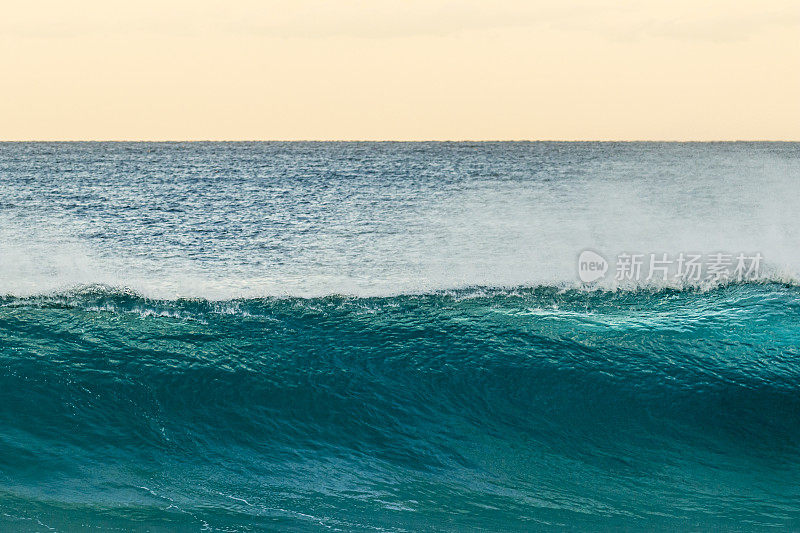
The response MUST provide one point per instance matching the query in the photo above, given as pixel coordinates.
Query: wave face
(392, 337)
(482, 408)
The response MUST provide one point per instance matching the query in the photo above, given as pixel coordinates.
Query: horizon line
(676, 141)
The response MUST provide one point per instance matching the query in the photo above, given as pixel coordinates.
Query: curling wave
(508, 409)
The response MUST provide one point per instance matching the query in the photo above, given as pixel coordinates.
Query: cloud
(621, 20)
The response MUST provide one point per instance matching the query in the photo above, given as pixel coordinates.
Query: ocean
(319, 336)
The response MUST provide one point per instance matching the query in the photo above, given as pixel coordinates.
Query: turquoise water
(314, 337)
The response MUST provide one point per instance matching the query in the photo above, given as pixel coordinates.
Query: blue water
(392, 337)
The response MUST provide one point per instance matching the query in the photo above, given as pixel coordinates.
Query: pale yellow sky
(408, 70)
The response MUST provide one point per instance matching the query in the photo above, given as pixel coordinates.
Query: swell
(523, 405)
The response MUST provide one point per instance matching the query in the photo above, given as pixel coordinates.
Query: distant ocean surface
(393, 337)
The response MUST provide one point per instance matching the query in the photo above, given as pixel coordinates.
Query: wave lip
(250, 288)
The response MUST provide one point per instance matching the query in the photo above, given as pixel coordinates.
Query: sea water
(394, 337)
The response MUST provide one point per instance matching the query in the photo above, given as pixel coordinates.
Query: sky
(400, 70)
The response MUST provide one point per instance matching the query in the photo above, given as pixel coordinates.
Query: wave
(522, 407)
